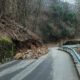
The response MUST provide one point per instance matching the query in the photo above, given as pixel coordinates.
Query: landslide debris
(33, 53)
(27, 44)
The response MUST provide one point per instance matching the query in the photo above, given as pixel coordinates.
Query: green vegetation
(6, 48)
(36, 14)
(64, 19)
(52, 20)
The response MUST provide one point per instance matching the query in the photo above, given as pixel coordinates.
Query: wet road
(56, 65)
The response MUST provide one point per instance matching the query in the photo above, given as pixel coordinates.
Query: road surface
(56, 65)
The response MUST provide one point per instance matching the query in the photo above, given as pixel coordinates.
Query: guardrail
(74, 54)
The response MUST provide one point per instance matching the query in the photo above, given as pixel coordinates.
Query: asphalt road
(56, 65)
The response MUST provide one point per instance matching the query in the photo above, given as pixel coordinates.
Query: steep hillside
(30, 23)
(44, 18)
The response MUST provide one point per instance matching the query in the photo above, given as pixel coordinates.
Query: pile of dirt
(30, 49)
(27, 43)
(33, 53)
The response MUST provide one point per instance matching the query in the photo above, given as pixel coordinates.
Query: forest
(25, 23)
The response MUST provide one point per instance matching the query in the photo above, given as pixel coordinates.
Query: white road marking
(29, 69)
(3, 65)
(16, 67)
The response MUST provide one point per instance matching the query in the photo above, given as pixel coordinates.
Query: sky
(69, 1)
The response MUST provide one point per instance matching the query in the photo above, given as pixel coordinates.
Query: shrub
(6, 48)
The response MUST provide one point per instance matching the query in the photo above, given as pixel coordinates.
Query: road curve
(57, 65)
